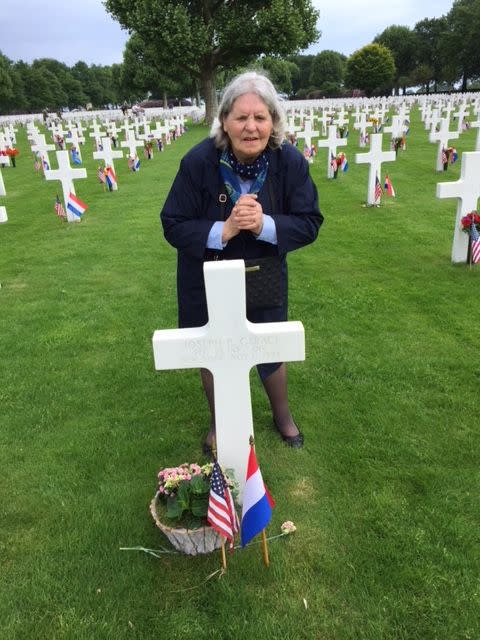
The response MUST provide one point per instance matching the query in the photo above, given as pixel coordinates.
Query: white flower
(288, 527)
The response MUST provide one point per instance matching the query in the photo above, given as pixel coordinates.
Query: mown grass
(385, 492)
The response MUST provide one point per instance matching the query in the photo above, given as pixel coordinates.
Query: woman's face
(249, 126)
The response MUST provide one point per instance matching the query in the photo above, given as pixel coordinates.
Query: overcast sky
(75, 30)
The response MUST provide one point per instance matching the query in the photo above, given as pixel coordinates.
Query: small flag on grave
(474, 243)
(221, 513)
(59, 210)
(75, 205)
(257, 501)
(333, 162)
(378, 189)
(75, 156)
(389, 187)
(134, 163)
(46, 166)
(101, 175)
(111, 178)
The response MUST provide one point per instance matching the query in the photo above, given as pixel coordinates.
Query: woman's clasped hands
(247, 215)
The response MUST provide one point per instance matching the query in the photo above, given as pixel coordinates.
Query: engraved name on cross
(229, 346)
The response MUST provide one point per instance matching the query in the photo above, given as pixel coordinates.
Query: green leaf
(183, 494)
(199, 486)
(174, 509)
(199, 506)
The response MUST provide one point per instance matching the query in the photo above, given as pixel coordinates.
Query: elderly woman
(271, 209)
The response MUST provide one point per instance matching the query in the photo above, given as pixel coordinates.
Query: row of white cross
(467, 189)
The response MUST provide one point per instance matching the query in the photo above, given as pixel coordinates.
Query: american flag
(474, 243)
(444, 157)
(333, 162)
(378, 189)
(101, 174)
(221, 512)
(59, 210)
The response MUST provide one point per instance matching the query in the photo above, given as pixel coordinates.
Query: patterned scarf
(231, 168)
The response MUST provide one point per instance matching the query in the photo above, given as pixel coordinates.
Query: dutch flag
(75, 205)
(257, 502)
(111, 178)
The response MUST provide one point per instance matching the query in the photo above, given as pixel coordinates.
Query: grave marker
(467, 192)
(442, 137)
(229, 346)
(332, 142)
(107, 154)
(66, 174)
(374, 158)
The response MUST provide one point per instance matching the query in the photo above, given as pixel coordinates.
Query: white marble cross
(107, 154)
(460, 114)
(66, 174)
(97, 133)
(42, 148)
(467, 191)
(442, 137)
(131, 143)
(229, 346)
(374, 158)
(396, 129)
(341, 118)
(3, 214)
(2, 184)
(307, 134)
(476, 125)
(432, 120)
(362, 125)
(332, 142)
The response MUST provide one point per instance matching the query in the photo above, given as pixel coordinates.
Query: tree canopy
(401, 41)
(210, 35)
(371, 68)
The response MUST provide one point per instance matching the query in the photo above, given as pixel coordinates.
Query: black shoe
(296, 442)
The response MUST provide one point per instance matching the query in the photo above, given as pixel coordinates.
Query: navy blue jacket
(193, 205)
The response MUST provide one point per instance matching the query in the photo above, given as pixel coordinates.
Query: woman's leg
(276, 388)
(207, 382)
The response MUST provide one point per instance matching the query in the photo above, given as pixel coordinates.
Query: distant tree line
(192, 54)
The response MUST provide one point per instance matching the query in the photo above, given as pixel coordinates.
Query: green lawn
(385, 494)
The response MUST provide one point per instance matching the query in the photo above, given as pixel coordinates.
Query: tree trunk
(464, 81)
(210, 94)
(165, 100)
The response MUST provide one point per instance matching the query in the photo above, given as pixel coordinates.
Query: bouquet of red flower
(468, 220)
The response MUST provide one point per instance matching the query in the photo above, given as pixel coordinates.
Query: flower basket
(188, 541)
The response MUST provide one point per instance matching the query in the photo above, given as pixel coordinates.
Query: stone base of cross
(3, 215)
(229, 346)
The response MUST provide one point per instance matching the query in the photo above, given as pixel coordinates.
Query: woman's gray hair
(250, 82)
